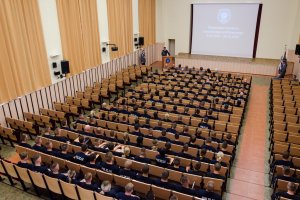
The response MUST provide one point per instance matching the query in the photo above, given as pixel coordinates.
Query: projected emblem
(168, 60)
(224, 15)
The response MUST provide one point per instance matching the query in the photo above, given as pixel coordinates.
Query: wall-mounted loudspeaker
(65, 69)
(141, 41)
(297, 51)
(114, 48)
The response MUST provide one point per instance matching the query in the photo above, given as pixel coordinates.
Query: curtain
(147, 21)
(120, 26)
(78, 22)
(24, 66)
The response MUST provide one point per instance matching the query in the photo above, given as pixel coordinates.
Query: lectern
(168, 61)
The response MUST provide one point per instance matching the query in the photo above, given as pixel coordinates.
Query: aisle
(249, 174)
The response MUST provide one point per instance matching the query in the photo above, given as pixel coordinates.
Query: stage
(230, 64)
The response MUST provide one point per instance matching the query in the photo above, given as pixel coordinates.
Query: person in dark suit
(165, 52)
(24, 161)
(54, 172)
(93, 161)
(24, 140)
(289, 194)
(64, 154)
(87, 183)
(164, 181)
(195, 169)
(142, 157)
(144, 177)
(49, 149)
(286, 176)
(185, 153)
(37, 164)
(176, 165)
(108, 165)
(209, 192)
(163, 136)
(128, 194)
(185, 186)
(127, 171)
(202, 156)
(216, 172)
(82, 156)
(208, 145)
(204, 124)
(38, 145)
(285, 161)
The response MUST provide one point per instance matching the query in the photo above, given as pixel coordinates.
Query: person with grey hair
(128, 194)
(209, 192)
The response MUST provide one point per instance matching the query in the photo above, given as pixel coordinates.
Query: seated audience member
(213, 136)
(155, 116)
(199, 134)
(136, 130)
(210, 115)
(289, 194)
(285, 161)
(153, 107)
(202, 106)
(196, 169)
(54, 172)
(238, 103)
(64, 154)
(112, 136)
(127, 171)
(172, 129)
(179, 120)
(287, 176)
(146, 115)
(209, 192)
(176, 165)
(167, 118)
(197, 113)
(59, 137)
(219, 159)
(107, 190)
(154, 146)
(65, 125)
(202, 156)
(226, 109)
(185, 153)
(82, 156)
(128, 194)
(163, 136)
(37, 164)
(164, 181)
(142, 157)
(24, 161)
(208, 145)
(193, 140)
(216, 172)
(50, 150)
(228, 139)
(24, 140)
(168, 146)
(48, 132)
(186, 131)
(159, 127)
(126, 152)
(177, 140)
(205, 99)
(108, 165)
(86, 183)
(81, 141)
(224, 148)
(147, 124)
(161, 159)
(185, 186)
(139, 141)
(93, 161)
(38, 145)
(204, 124)
(174, 110)
(81, 119)
(144, 177)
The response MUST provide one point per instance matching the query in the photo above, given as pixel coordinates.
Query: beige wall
(279, 25)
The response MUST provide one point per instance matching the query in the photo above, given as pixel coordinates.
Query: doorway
(172, 47)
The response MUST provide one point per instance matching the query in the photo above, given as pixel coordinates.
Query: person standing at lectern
(165, 52)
